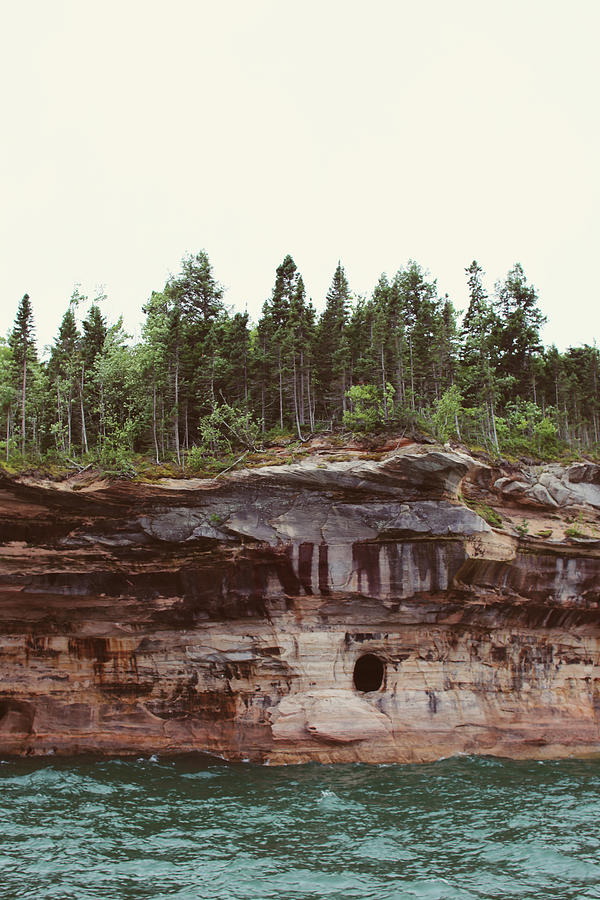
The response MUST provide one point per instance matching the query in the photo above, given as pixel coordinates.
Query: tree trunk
(102, 417)
(383, 384)
(280, 392)
(311, 409)
(296, 412)
(176, 410)
(84, 440)
(154, 435)
(301, 381)
(23, 401)
(69, 420)
(412, 375)
(494, 425)
(457, 426)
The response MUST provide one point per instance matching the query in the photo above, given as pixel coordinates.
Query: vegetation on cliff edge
(204, 386)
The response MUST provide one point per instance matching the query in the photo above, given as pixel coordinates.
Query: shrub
(368, 407)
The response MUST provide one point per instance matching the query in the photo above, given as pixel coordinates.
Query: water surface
(192, 829)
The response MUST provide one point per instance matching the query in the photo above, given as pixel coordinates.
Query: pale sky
(371, 132)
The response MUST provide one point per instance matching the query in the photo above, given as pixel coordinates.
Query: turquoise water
(196, 830)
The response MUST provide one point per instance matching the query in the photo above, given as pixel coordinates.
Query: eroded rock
(230, 617)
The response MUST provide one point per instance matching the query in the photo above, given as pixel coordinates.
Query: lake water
(193, 829)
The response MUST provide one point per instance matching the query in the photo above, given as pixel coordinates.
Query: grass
(486, 512)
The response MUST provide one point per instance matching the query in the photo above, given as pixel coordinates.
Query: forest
(205, 383)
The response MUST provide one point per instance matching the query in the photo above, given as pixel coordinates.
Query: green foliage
(446, 413)
(487, 513)
(216, 519)
(523, 528)
(370, 407)
(116, 451)
(203, 385)
(525, 429)
(573, 532)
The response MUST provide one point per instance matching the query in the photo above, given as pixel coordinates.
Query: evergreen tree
(332, 356)
(272, 329)
(422, 321)
(64, 370)
(517, 330)
(478, 379)
(22, 344)
(94, 332)
(7, 390)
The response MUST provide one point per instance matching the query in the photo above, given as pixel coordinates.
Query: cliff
(329, 611)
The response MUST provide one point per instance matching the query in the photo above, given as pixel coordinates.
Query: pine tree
(196, 306)
(94, 331)
(422, 318)
(517, 334)
(22, 344)
(272, 329)
(332, 356)
(64, 369)
(478, 379)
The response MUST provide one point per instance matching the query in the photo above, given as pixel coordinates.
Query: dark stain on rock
(285, 572)
(305, 558)
(92, 648)
(432, 702)
(323, 570)
(365, 562)
(38, 646)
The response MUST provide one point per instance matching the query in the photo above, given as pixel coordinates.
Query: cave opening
(368, 673)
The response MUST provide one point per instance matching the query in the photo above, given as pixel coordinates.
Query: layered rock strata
(321, 611)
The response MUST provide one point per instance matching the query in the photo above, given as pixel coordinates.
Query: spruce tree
(272, 334)
(94, 331)
(331, 349)
(517, 334)
(22, 344)
(477, 375)
(64, 369)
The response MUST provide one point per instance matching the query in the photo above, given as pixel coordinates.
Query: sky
(136, 132)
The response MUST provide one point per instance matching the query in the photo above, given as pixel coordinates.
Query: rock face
(329, 612)
(555, 485)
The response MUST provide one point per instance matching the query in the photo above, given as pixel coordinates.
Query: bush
(446, 412)
(368, 407)
(117, 448)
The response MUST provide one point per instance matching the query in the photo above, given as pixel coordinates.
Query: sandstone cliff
(329, 611)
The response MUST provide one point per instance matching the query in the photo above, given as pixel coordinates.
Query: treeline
(203, 381)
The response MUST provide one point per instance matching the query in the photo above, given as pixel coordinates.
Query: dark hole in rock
(368, 673)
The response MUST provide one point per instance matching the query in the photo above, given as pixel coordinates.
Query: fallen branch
(228, 469)
(79, 467)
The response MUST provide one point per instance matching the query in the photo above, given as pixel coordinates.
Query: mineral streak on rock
(322, 611)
